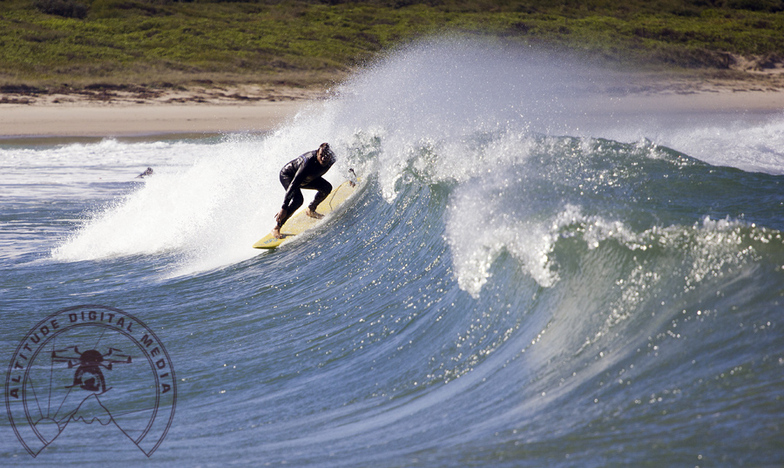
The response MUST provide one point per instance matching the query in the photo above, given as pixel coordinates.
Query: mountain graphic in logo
(90, 412)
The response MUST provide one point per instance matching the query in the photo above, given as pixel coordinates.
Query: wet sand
(91, 120)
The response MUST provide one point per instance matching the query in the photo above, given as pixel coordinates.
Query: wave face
(503, 290)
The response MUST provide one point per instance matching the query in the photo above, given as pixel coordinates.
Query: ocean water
(517, 282)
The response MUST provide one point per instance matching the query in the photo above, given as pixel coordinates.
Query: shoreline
(140, 113)
(141, 120)
(742, 102)
(206, 112)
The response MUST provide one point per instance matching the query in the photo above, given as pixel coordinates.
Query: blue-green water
(505, 289)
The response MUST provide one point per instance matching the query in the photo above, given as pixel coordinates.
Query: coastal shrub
(64, 8)
(306, 40)
(771, 6)
(126, 8)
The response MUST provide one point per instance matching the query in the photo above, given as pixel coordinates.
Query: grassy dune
(76, 44)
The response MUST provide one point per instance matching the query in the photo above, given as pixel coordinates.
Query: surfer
(304, 172)
(147, 172)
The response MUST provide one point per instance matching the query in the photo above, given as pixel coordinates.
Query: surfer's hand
(281, 216)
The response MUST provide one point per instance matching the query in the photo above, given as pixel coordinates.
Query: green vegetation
(46, 43)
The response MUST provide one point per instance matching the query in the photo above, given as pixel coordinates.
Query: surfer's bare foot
(276, 233)
(313, 214)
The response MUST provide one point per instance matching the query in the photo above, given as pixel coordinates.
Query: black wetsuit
(304, 172)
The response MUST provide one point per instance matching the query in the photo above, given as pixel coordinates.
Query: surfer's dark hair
(327, 153)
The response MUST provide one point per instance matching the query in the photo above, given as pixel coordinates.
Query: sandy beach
(90, 120)
(125, 114)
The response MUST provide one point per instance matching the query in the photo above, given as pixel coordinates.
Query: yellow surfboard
(300, 222)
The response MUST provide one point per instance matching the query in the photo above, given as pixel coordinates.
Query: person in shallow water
(304, 172)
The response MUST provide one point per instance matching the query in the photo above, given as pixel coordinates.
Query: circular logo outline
(75, 318)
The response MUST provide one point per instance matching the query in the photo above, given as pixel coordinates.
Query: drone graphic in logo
(89, 375)
(123, 380)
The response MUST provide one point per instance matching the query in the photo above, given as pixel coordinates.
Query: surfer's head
(325, 155)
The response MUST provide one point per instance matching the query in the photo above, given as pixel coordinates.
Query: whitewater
(522, 279)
